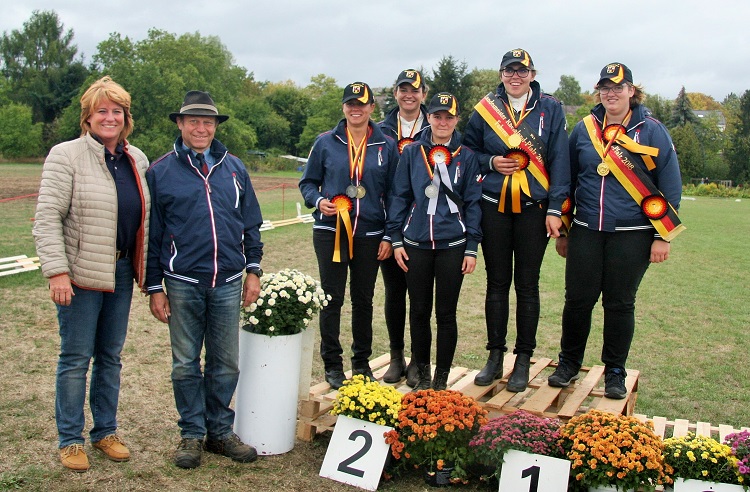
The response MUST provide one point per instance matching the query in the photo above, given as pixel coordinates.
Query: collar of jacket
(536, 92)
(377, 137)
(98, 148)
(217, 150)
(636, 119)
(426, 139)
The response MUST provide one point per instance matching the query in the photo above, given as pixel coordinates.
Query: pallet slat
(539, 397)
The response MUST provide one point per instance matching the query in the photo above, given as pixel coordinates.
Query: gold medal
(361, 192)
(515, 140)
(602, 169)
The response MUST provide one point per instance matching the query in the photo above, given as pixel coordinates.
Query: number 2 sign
(526, 472)
(356, 453)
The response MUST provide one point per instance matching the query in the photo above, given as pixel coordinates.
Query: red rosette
(403, 143)
(343, 203)
(655, 207)
(610, 132)
(439, 154)
(566, 206)
(520, 156)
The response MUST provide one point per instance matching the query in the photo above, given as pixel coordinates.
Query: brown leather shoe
(113, 448)
(73, 457)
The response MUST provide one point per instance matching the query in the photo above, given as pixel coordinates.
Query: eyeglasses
(617, 89)
(521, 72)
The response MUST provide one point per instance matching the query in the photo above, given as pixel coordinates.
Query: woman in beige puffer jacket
(91, 234)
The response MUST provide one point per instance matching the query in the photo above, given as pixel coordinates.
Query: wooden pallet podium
(539, 397)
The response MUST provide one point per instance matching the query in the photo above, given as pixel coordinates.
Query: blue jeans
(211, 315)
(93, 326)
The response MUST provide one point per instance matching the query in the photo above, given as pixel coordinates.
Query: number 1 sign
(356, 453)
(526, 472)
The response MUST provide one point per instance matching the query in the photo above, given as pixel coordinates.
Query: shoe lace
(72, 450)
(189, 444)
(615, 377)
(113, 438)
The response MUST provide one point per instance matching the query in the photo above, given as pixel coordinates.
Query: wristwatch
(256, 271)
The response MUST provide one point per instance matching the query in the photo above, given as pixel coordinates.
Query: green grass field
(690, 347)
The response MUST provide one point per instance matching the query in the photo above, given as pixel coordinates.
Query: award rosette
(610, 132)
(520, 156)
(343, 205)
(439, 154)
(567, 214)
(517, 182)
(403, 143)
(655, 207)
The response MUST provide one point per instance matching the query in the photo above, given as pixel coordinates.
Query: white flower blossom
(268, 312)
(272, 302)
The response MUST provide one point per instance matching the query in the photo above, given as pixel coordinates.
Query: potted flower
(739, 443)
(703, 458)
(521, 431)
(616, 451)
(287, 302)
(433, 432)
(368, 400)
(270, 358)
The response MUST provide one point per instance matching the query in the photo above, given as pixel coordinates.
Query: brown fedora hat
(198, 103)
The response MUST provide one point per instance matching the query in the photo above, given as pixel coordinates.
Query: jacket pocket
(172, 254)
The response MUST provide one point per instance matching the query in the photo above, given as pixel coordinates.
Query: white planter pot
(683, 485)
(266, 399)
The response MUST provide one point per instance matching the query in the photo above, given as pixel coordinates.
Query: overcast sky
(703, 45)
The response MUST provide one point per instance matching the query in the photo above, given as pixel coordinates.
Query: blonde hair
(105, 88)
(637, 98)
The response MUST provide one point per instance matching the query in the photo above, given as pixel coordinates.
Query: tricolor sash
(491, 109)
(622, 162)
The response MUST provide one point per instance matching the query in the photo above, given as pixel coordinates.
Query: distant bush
(716, 190)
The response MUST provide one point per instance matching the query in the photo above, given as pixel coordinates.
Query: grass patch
(690, 346)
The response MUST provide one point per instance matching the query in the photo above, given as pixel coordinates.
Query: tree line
(43, 78)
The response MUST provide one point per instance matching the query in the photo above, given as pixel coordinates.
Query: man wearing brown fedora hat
(202, 201)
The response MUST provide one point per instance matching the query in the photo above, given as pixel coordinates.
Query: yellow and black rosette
(439, 154)
(610, 132)
(403, 143)
(520, 156)
(655, 207)
(343, 205)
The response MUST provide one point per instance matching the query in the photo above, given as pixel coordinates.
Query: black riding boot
(424, 377)
(518, 381)
(397, 370)
(411, 373)
(440, 381)
(492, 370)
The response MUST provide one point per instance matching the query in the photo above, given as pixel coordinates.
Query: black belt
(125, 253)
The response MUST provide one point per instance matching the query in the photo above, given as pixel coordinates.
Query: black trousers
(611, 264)
(513, 246)
(394, 280)
(333, 276)
(434, 272)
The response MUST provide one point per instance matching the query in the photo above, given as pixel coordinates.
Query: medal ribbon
(634, 179)
(414, 127)
(505, 126)
(356, 157)
(343, 216)
(436, 178)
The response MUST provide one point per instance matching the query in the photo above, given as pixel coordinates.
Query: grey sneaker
(563, 376)
(188, 454)
(232, 447)
(614, 384)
